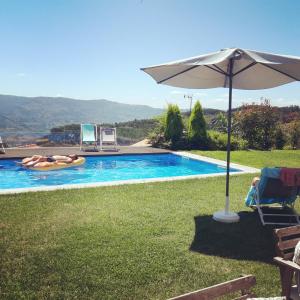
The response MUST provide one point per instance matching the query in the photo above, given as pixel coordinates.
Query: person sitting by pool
(46, 161)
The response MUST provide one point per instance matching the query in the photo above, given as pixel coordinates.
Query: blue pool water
(106, 168)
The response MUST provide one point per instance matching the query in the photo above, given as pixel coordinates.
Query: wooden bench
(286, 241)
(242, 285)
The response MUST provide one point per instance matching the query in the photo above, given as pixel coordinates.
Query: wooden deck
(27, 152)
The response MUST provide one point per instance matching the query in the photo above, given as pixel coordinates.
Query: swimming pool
(99, 170)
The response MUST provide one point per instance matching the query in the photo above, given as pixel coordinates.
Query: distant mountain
(41, 113)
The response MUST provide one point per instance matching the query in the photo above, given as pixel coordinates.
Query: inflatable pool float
(60, 165)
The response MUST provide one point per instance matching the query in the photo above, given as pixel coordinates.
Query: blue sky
(94, 49)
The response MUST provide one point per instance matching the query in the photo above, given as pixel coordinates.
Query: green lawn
(144, 241)
(258, 159)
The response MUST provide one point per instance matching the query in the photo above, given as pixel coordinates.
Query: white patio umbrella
(232, 68)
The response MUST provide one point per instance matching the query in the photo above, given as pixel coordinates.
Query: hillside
(42, 113)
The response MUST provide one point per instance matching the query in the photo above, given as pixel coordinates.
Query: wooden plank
(288, 256)
(286, 277)
(288, 244)
(243, 283)
(287, 239)
(283, 232)
(287, 263)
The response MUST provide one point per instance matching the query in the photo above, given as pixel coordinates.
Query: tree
(174, 124)
(220, 123)
(280, 139)
(257, 124)
(197, 133)
(268, 119)
(295, 134)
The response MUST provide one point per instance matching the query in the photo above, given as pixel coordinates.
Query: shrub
(197, 134)
(157, 135)
(218, 141)
(156, 138)
(174, 124)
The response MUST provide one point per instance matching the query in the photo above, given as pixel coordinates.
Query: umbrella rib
(216, 70)
(245, 68)
(191, 68)
(223, 72)
(290, 76)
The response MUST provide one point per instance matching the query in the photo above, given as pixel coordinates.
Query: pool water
(106, 169)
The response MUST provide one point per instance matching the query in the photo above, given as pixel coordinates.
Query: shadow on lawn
(245, 240)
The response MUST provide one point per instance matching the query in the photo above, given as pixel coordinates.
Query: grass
(258, 159)
(145, 241)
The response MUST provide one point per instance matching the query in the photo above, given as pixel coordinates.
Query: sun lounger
(2, 149)
(273, 199)
(108, 137)
(88, 136)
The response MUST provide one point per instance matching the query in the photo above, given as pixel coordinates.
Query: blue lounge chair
(88, 136)
(269, 191)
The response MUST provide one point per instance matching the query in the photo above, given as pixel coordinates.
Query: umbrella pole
(226, 216)
(228, 136)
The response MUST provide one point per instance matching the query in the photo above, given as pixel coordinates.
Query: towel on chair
(290, 176)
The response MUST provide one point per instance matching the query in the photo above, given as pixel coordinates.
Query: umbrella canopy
(251, 70)
(232, 68)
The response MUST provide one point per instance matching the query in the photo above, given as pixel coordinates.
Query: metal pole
(229, 135)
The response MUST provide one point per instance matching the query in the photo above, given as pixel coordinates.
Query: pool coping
(242, 170)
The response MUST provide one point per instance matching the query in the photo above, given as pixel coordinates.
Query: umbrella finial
(237, 54)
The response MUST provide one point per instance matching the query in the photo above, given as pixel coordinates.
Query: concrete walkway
(143, 143)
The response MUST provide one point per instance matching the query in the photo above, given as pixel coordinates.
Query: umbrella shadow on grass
(245, 240)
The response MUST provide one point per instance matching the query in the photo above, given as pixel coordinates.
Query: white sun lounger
(88, 136)
(108, 137)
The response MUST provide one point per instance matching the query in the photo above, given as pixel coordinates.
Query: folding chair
(88, 136)
(108, 137)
